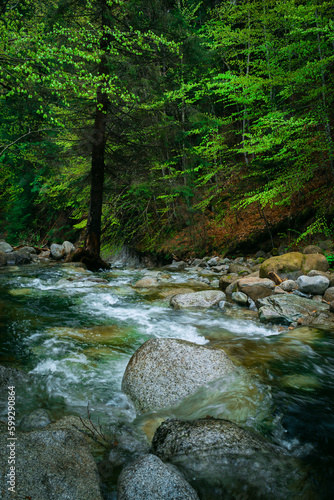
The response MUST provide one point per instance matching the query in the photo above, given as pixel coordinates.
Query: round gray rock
(148, 478)
(205, 298)
(289, 285)
(146, 282)
(315, 285)
(162, 372)
(57, 252)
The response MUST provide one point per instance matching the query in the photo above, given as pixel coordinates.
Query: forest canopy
(168, 125)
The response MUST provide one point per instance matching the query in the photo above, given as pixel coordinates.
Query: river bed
(75, 332)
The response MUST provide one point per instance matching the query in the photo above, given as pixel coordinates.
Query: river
(75, 332)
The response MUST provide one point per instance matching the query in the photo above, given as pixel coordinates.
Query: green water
(75, 337)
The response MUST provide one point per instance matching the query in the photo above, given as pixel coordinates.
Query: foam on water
(148, 320)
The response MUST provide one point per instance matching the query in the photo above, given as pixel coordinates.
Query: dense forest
(173, 126)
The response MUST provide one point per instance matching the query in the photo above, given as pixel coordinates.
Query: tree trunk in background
(93, 231)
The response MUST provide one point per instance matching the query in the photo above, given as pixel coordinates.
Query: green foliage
(202, 97)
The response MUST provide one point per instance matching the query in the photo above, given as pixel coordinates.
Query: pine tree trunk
(93, 231)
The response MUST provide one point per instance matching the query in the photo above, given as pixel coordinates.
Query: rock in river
(205, 298)
(148, 478)
(50, 465)
(286, 308)
(162, 372)
(222, 454)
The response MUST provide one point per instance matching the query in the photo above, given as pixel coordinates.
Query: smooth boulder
(162, 372)
(205, 298)
(315, 285)
(222, 454)
(148, 478)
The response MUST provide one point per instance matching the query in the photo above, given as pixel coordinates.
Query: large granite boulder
(50, 465)
(162, 372)
(222, 454)
(205, 298)
(292, 264)
(256, 288)
(315, 285)
(148, 478)
(286, 309)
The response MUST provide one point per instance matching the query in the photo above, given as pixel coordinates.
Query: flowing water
(75, 332)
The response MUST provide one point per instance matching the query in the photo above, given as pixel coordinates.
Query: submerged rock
(162, 372)
(205, 298)
(146, 282)
(222, 454)
(148, 478)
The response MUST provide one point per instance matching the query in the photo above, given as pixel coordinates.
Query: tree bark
(93, 231)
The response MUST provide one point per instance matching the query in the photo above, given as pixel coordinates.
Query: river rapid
(74, 331)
